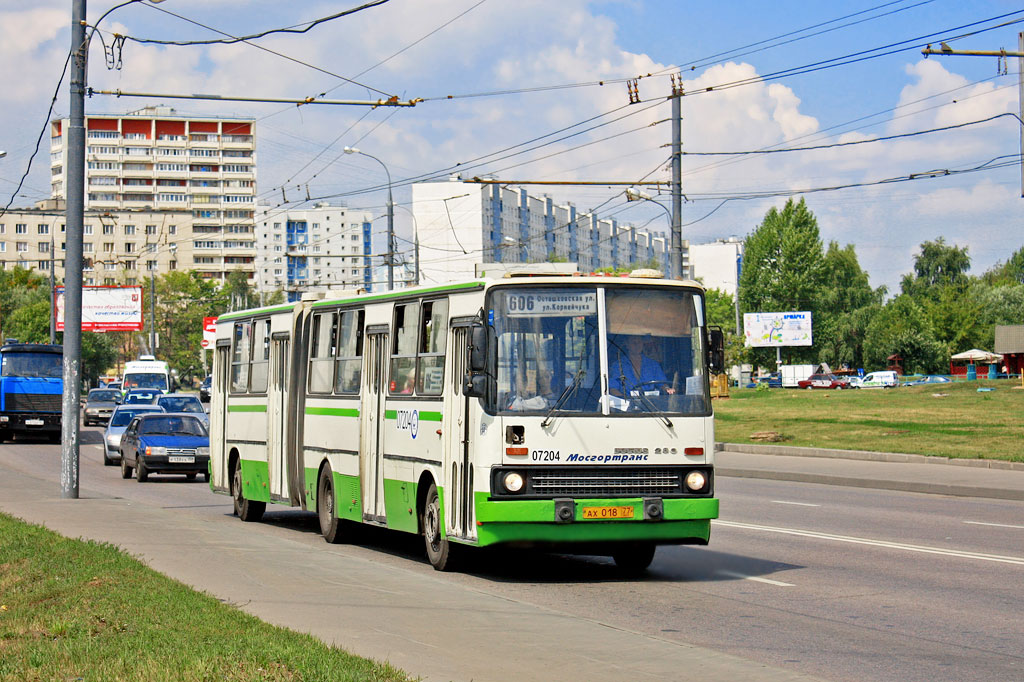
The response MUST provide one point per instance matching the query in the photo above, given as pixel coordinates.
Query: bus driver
(633, 370)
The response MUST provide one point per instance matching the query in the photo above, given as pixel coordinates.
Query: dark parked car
(822, 381)
(204, 389)
(173, 443)
(99, 405)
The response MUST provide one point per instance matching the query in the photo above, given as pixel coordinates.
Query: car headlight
(155, 450)
(91, 410)
(114, 440)
(203, 451)
(513, 481)
(696, 480)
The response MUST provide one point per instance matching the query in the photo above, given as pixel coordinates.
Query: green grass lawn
(947, 420)
(74, 610)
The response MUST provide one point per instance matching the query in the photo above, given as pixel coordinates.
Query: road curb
(876, 483)
(864, 455)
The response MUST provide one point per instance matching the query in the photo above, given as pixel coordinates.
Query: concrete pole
(1020, 103)
(676, 246)
(391, 236)
(75, 193)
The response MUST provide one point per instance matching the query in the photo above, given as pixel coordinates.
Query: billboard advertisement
(771, 330)
(106, 309)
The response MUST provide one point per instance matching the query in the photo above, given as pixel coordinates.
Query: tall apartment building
(464, 224)
(312, 249)
(154, 161)
(717, 264)
(119, 247)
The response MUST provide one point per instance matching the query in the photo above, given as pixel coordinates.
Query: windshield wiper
(566, 394)
(652, 409)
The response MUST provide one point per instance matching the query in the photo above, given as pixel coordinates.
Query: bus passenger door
(371, 450)
(458, 468)
(277, 418)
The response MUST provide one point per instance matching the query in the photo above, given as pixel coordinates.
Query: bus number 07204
(545, 456)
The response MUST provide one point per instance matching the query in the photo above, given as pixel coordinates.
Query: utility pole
(53, 298)
(676, 247)
(75, 193)
(946, 50)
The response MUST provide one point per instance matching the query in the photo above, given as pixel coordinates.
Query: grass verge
(946, 420)
(77, 610)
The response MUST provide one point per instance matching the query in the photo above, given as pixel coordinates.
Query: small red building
(1010, 344)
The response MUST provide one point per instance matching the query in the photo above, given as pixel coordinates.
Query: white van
(882, 379)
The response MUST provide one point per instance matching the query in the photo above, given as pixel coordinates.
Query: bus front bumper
(566, 521)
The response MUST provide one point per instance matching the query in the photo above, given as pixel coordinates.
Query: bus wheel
(634, 558)
(330, 524)
(247, 510)
(439, 550)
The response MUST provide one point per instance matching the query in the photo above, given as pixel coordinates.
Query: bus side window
(433, 332)
(260, 357)
(403, 350)
(350, 352)
(240, 357)
(321, 354)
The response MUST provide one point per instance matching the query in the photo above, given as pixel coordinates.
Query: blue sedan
(162, 443)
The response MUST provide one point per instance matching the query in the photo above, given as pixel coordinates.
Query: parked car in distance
(771, 380)
(880, 379)
(99, 404)
(140, 396)
(113, 384)
(165, 443)
(822, 381)
(204, 389)
(119, 421)
(928, 379)
(183, 402)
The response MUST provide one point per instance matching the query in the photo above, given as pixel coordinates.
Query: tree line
(939, 310)
(182, 300)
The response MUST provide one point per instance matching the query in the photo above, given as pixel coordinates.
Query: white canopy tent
(977, 355)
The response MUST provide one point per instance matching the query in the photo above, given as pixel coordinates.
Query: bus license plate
(607, 512)
(181, 459)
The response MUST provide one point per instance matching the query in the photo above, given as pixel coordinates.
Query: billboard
(771, 330)
(106, 309)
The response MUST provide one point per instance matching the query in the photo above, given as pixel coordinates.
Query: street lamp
(391, 218)
(633, 194)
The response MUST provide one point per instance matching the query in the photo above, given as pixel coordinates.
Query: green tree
(19, 288)
(901, 327)
(937, 264)
(183, 300)
(783, 269)
(1010, 272)
(845, 305)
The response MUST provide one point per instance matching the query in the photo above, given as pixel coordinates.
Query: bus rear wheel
(634, 558)
(247, 510)
(439, 549)
(330, 524)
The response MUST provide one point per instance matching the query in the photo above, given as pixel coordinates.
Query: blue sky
(432, 49)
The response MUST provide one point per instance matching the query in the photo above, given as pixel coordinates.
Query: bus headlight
(513, 481)
(696, 480)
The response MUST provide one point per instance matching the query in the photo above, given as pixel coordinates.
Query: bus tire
(141, 475)
(126, 471)
(439, 549)
(634, 558)
(330, 524)
(247, 510)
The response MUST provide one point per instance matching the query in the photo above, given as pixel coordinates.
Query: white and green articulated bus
(571, 413)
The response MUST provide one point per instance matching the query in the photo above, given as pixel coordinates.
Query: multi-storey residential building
(123, 247)
(462, 224)
(321, 248)
(154, 160)
(717, 264)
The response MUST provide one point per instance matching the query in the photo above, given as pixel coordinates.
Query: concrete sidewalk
(430, 625)
(886, 471)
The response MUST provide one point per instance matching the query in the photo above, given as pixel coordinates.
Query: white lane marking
(799, 504)
(997, 525)
(1019, 561)
(733, 574)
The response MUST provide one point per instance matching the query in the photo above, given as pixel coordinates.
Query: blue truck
(31, 390)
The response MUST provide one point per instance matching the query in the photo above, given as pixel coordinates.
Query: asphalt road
(832, 582)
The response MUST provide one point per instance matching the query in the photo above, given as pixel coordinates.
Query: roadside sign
(209, 331)
(204, 343)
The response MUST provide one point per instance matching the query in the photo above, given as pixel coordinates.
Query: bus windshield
(550, 350)
(31, 364)
(146, 380)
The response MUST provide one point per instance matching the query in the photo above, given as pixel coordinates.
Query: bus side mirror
(716, 350)
(478, 349)
(474, 385)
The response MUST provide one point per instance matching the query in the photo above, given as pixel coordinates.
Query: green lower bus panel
(348, 500)
(255, 480)
(400, 505)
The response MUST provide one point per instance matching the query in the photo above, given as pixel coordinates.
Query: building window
(44, 247)
(21, 247)
(129, 230)
(42, 228)
(87, 229)
(20, 228)
(150, 229)
(108, 229)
